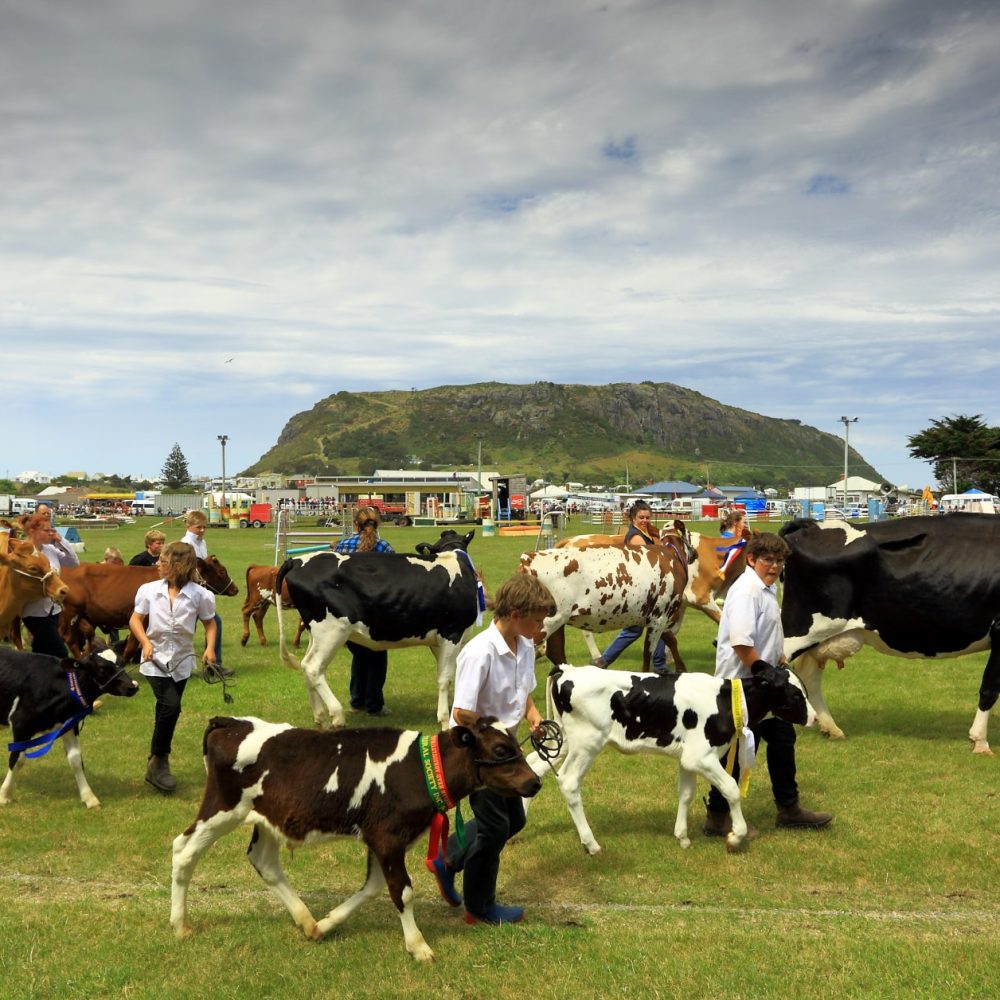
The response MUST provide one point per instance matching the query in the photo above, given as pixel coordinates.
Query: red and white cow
(710, 575)
(688, 717)
(260, 596)
(607, 587)
(382, 601)
(300, 786)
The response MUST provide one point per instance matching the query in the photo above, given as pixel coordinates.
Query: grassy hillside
(580, 432)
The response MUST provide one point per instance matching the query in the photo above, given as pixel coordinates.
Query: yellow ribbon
(736, 690)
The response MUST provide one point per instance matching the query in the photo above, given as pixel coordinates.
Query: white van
(682, 508)
(144, 506)
(23, 505)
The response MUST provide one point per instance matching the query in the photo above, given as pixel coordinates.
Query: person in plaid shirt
(368, 666)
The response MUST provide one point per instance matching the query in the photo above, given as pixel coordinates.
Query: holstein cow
(260, 596)
(687, 717)
(915, 587)
(382, 601)
(25, 575)
(298, 786)
(707, 581)
(607, 587)
(103, 595)
(44, 694)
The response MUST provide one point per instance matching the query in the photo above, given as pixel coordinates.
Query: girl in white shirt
(41, 616)
(166, 615)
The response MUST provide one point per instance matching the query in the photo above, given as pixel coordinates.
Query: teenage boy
(495, 676)
(750, 630)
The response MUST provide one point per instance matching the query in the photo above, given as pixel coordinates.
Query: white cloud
(373, 196)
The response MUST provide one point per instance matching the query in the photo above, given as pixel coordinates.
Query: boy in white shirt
(750, 630)
(495, 677)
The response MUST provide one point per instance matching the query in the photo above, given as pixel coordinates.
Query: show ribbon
(480, 593)
(743, 738)
(437, 789)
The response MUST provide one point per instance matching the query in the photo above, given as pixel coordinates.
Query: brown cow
(24, 576)
(260, 596)
(103, 595)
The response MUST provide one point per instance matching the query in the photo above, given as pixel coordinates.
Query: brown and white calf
(687, 716)
(260, 596)
(606, 587)
(25, 576)
(41, 694)
(298, 786)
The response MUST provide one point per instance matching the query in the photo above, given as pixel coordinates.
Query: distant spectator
(113, 557)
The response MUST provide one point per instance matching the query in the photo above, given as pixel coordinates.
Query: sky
(215, 215)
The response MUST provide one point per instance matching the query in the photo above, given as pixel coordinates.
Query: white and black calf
(685, 716)
(298, 786)
(382, 601)
(40, 694)
(912, 587)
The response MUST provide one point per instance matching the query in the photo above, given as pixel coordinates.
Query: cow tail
(286, 657)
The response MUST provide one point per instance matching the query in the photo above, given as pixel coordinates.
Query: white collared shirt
(751, 616)
(491, 680)
(199, 545)
(58, 556)
(171, 628)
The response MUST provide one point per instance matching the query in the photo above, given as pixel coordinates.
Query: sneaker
(600, 662)
(496, 914)
(445, 878)
(226, 671)
(384, 710)
(355, 708)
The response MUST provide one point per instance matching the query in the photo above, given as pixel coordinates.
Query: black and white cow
(685, 716)
(41, 694)
(915, 587)
(382, 601)
(299, 786)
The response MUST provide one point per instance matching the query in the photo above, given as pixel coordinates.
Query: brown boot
(158, 774)
(792, 815)
(720, 824)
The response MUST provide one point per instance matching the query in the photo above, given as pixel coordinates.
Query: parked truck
(15, 506)
(257, 515)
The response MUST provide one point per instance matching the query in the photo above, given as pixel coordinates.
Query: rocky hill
(558, 432)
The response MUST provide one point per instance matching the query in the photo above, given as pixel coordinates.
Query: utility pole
(846, 421)
(223, 438)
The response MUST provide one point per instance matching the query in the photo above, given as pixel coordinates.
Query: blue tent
(70, 534)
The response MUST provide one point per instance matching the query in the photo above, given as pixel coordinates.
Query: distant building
(32, 476)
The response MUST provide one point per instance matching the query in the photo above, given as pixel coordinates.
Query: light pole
(846, 421)
(223, 438)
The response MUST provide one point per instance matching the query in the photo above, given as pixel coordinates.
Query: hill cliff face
(579, 432)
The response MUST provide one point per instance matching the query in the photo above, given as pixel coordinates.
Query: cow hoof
(182, 931)
(313, 932)
(592, 849)
(834, 733)
(734, 846)
(423, 953)
(95, 804)
(684, 841)
(982, 748)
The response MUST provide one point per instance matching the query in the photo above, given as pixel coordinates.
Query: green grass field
(898, 898)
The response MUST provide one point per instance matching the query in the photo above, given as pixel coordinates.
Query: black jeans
(497, 819)
(168, 694)
(368, 670)
(780, 739)
(45, 637)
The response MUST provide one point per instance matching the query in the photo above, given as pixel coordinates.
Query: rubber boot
(793, 816)
(720, 824)
(158, 774)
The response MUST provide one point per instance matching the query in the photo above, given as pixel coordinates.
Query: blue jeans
(625, 638)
